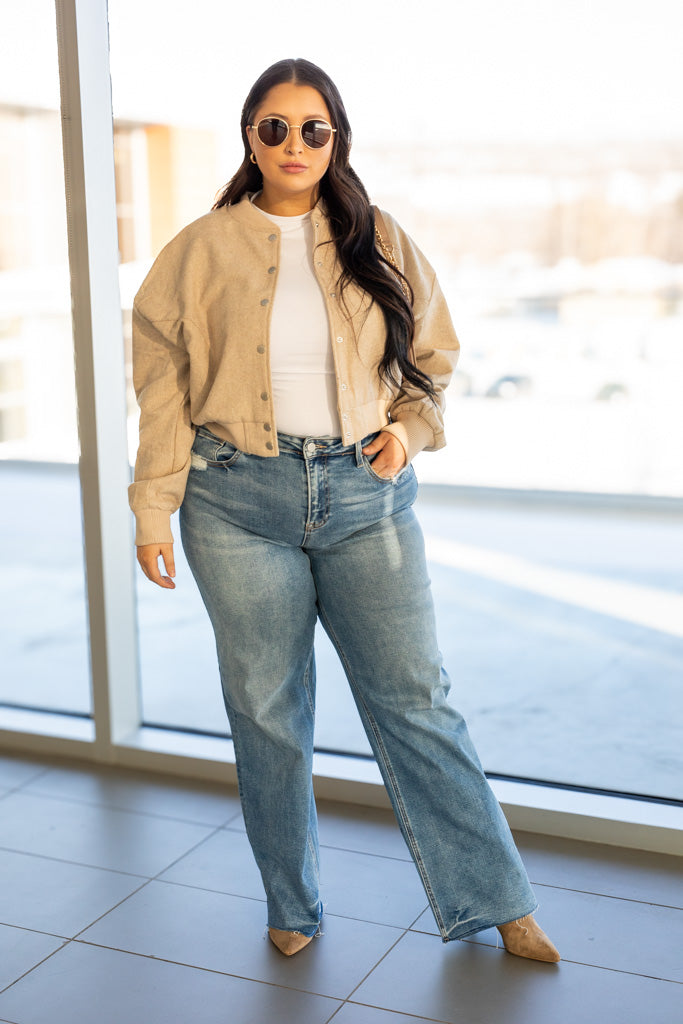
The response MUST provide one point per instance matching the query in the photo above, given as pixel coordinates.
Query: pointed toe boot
(288, 943)
(525, 938)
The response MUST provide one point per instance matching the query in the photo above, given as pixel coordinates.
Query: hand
(391, 457)
(148, 557)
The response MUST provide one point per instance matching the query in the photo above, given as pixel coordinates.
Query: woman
(287, 372)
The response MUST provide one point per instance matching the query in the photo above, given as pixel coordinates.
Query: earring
(252, 157)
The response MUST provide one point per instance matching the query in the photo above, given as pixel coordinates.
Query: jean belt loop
(359, 453)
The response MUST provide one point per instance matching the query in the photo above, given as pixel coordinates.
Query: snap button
(264, 302)
(271, 270)
(310, 448)
(261, 349)
(264, 396)
(272, 238)
(267, 426)
(269, 445)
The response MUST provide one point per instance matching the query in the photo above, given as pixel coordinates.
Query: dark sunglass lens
(315, 134)
(272, 131)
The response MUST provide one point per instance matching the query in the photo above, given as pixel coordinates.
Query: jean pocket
(210, 450)
(367, 465)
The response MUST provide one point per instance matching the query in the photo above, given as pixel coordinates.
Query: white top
(301, 362)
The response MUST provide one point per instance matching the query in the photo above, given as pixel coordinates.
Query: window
(550, 205)
(43, 624)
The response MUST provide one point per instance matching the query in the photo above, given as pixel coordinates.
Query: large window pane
(549, 202)
(43, 627)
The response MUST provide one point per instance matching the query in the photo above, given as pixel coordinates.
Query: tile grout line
(605, 895)
(148, 879)
(22, 785)
(577, 963)
(401, 1013)
(123, 810)
(376, 965)
(186, 853)
(215, 829)
(64, 944)
(206, 970)
(132, 874)
(367, 853)
(222, 892)
(411, 930)
(75, 938)
(349, 1002)
(256, 899)
(175, 963)
(76, 863)
(35, 931)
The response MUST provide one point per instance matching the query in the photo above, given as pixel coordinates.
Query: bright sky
(484, 70)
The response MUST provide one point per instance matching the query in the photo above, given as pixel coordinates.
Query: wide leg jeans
(274, 544)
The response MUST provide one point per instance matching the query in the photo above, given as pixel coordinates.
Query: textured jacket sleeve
(417, 420)
(161, 372)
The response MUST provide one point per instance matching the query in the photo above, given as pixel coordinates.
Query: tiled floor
(133, 899)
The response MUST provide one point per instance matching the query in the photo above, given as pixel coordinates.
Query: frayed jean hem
(465, 929)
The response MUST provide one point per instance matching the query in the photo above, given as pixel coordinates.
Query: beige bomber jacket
(201, 351)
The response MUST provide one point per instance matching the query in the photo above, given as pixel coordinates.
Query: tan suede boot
(288, 943)
(525, 938)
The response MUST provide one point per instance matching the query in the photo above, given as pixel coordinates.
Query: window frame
(115, 734)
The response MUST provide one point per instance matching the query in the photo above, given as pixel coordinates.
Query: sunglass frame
(310, 120)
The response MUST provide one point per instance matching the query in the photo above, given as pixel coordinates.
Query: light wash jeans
(275, 543)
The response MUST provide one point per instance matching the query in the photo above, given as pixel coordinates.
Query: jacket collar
(245, 212)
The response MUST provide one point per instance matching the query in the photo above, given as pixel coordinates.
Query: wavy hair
(351, 220)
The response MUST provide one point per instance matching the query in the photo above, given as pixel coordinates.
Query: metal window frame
(116, 734)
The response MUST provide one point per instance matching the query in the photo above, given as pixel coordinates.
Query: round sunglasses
(273, 131)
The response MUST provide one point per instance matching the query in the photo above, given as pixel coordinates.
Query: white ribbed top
(301, 363)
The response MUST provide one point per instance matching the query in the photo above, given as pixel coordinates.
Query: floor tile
(56, 896)
(223, 862)
(370, 888)
(363, 829)
(20, 950)
(16, 771)
(201, 803)
(355, 1013)
(101, 837)
(467, 983)
(606, 870)
(85, 984)
(426, 923)
(228, 933)
(609, 933)
(601, 931)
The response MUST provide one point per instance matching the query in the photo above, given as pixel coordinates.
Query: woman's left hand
(391, 458)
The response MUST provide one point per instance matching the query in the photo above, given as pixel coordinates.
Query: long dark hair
(351, 220)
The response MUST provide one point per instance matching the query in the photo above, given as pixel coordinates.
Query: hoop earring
(252, 157)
